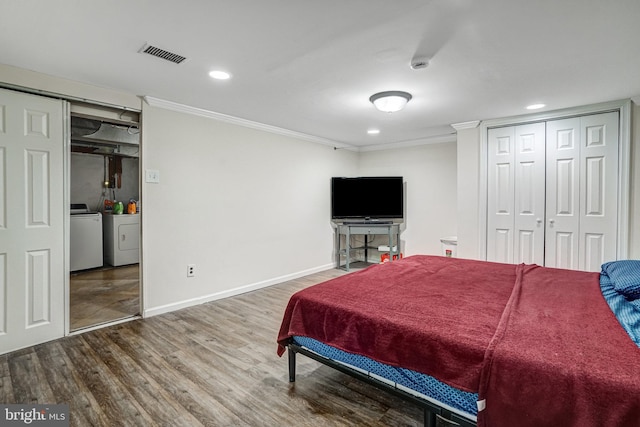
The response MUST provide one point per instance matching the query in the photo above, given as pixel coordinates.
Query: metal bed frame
(434, 415)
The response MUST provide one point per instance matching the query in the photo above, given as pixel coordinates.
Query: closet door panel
(594, 251)
(500, 208)
(526, 249)
(565, 249)
(562, 192)
(529, 194)
(502, 245)
(598, 190)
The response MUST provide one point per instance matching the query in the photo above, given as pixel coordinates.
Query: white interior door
(31, 220)
(582, 186)
(529, 194)
(500, 202)
(516, 180)
(563, 193)
(598, 190)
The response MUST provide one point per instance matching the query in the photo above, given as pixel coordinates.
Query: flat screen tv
(367, 198)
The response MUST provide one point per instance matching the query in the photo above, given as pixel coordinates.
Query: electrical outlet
(191, 270)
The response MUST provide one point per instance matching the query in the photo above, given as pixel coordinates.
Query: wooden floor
(210, 365)
(103, 295)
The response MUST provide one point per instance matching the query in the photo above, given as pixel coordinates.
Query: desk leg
(366, 249)
(337, 247)
(347, 246)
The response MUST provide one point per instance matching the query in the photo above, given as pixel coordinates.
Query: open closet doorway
(104, 223)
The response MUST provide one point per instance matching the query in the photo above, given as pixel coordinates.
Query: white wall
(87, 176)
(468, 191)
(429, 173)
(248, 207)
(66, 88)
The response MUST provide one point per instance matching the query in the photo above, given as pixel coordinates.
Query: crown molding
(436, 139)
(466, 125)
(181, 108)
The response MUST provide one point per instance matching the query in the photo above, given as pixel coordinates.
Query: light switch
(152, 175)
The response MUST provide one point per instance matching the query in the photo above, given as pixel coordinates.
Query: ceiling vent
(163, 54)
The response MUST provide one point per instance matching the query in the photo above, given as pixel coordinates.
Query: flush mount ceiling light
(390, 101)
(373, 131)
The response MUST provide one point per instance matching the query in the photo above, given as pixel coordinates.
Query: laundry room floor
(103, 295)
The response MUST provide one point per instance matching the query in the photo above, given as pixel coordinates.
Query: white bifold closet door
(582, 191)
(552, 192)
(516, 194)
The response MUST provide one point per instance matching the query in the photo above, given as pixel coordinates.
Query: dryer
(121, 239)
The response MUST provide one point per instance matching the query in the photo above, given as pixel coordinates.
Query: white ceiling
(311, 66)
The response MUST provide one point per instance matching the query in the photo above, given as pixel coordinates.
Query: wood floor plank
(228, 387)
(214, 364)
(28, 378)
(6, 386)
(68, 387)
(115, 401)
(193, 398)
(160, 405)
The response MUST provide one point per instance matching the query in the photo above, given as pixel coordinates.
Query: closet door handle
(539, 220)
(551, 222)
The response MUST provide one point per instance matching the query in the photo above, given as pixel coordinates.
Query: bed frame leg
(292, 364)
(429, 418)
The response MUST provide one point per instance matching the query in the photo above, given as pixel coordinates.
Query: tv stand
(367, 222)
(366, 229)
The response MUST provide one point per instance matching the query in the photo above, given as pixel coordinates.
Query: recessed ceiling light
(219, 75)
(373, 131)
(535, 106)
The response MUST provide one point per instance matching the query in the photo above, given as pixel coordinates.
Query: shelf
(364, 230)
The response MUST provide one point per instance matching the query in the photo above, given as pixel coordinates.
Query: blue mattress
(461, 402)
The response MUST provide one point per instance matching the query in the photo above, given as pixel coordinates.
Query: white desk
(366, 230)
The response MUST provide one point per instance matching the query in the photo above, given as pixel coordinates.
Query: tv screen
(371, 197)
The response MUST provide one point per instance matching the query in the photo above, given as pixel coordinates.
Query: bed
(516, 344)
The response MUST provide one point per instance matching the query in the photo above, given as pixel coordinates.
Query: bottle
(131, 207)
(118, 208)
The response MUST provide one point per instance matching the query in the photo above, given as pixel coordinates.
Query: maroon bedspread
(560, 357)
(390, 313)
(539, 345)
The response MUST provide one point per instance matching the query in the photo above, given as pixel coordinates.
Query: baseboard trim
(167, 308)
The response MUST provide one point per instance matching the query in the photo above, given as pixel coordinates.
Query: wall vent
(163, 54)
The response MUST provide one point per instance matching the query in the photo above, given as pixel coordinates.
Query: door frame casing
(67, 99)
(67, 196)
(623, 107)
(66, 164)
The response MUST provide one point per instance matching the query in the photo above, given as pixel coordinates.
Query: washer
(121, 239)
(85, 238)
